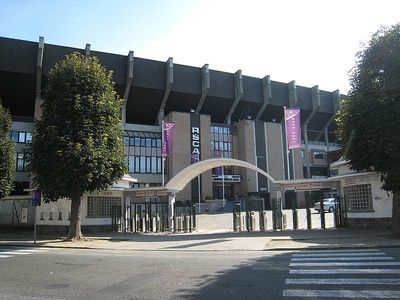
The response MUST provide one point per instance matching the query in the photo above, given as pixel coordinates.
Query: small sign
(36, 198)
(24, 215)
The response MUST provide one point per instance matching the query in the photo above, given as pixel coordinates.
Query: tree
(369, 129)
(7, 154)
(77, 145)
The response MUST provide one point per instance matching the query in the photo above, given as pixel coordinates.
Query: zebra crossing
(7, 252)
(358, 273)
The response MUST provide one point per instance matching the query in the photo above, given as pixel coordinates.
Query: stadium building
(215, 115)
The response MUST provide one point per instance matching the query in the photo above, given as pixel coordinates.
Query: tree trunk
(75, 233)
(396, 215)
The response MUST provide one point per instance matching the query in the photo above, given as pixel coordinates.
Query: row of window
(221, 146)
(144, 164)
(21, 137)
(221, 129)
(142, 142)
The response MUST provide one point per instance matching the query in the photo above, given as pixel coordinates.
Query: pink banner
(293, 128)
(168, 136)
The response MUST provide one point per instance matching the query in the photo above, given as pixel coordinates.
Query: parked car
(330, 204)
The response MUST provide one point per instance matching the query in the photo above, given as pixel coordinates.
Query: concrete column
(169, 81)
(292, 93)
(336, 107)
(171, 203)
(129, 77)
(39, 68)
(127, 215)
(267, 96)
(205, 86)
(316, 103)
(238, 94)
(87, 50)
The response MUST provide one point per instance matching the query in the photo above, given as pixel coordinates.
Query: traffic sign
(36, 198)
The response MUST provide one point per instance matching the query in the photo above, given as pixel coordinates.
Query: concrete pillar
(205, 86)
(171, 203)
(292, 93)
(169, 81)
(238, 94)
(129, 77)
(267, 96)
(316, 103)
(127, 216)
(39, 68)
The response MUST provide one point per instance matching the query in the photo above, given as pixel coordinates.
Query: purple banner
(194, 158)
(168, 136)
(218, 170)
(293, 128)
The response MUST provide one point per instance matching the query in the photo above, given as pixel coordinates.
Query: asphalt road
(83, 274)
(54, 273)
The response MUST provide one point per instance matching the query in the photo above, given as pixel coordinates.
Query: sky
(313, 42)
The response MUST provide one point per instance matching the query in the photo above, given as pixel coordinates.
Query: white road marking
(337, 251)
(342, 258)
(339, 254)
(346, 264)
(342, 294)
(344, 271)
(334, 281)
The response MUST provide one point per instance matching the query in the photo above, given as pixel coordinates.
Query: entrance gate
(184, 216)
(251, 206)
(148, 217)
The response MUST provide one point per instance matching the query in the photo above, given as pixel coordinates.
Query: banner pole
(163, 158)
(286, 143)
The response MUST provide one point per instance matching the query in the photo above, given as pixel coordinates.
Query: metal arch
(180, 180)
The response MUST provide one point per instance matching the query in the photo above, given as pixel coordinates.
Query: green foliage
(369, 130)
(78, 142)
(7, 152)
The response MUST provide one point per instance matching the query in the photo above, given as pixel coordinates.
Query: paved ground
(214, 237)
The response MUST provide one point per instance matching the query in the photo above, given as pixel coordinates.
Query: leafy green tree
(369, 128)
(77, 146)
(7, 154)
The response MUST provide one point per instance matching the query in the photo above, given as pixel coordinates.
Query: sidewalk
(209, 240)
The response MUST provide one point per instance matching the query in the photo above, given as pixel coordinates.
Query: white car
(330, 204)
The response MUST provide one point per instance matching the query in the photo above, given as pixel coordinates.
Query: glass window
(159, 165)
(148, 164)
(153, 164)
(14, 136)
(29, 136)
(319, 154)
(20, 157)
(142, 164)
(359, 198)
(131, 164)
(137, 164)
(21, 137)
(101, 206)
(148, 142)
